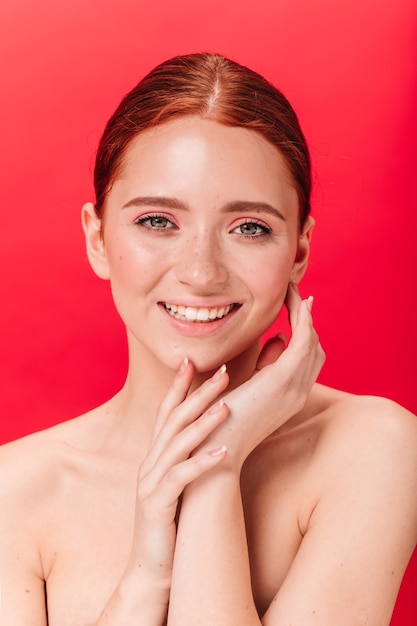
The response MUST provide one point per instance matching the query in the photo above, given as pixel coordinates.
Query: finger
(180, 447)
(185, 446)
(161, 502)
(303, 352)
(188, 411)
(186, 472)
(292, 302)
(304, 347)
(176, 394)
(271, 351)
(304, 327)
(195, 404)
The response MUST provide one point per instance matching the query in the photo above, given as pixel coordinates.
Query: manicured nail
(183, 367)
(217, 376)
(218, 451)
(310, 302)
(216, 407)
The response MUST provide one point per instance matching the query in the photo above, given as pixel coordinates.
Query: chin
(236, 361)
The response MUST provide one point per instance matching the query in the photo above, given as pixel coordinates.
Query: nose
(201, 261)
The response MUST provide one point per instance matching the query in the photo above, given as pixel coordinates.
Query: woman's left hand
(277, 390)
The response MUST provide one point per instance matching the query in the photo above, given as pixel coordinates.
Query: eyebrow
(244, 206)
(168, 203)
(238, 206)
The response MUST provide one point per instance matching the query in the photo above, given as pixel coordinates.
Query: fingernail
(218, 451)
(217, 376)
(294, 285)
(282, 337)
(310, 302)
(183, 367)
(216, 407)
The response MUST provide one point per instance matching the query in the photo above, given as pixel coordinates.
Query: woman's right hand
(182, 424)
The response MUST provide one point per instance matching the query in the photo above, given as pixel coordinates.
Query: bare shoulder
(366, 459)
(339, 428)
(352, 449)
(367, 437)
(34, 466)
(368, 424)
(356, 501)
(40, 475)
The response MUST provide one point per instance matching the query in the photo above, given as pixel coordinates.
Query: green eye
(252, 229)
(155, 222)
(158, 222)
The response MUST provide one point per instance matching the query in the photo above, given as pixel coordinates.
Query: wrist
(220, 480)
(136, 600)
(231, 464)
(139, 587)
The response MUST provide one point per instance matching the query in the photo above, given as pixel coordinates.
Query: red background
(349, 70)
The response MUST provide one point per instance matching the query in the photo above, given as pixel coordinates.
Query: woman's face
(200, 240)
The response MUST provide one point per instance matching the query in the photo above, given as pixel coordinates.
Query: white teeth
(202, 315)
(193, 314)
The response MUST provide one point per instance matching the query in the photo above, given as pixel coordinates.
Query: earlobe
(303, 250)
(96, 252)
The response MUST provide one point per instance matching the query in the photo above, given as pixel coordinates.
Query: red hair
(212, 87)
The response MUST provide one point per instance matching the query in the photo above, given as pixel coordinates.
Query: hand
(182, 424)
(278, 388)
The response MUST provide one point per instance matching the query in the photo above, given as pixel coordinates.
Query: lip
(198, 327)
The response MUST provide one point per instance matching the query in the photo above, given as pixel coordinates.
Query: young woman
(222, 484)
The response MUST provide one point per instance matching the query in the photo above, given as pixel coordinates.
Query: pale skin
(298, 502)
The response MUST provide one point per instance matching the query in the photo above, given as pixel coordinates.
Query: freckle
(392, 573)
(27, 590)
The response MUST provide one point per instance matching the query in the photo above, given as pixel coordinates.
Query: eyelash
(265, 229)
(142, 221)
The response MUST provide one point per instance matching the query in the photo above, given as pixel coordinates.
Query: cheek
(269, 276)
(133, 264)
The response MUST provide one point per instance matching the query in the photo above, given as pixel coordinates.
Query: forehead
(191, 154)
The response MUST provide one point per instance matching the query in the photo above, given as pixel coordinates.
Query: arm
(182, 425)
(354, 551)
(211, 581)
(26, 503)
(363, 529)
(22, 594)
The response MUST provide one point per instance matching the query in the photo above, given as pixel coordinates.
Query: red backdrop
(349, 69)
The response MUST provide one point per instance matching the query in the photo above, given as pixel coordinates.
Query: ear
(303, 251)
(96, 253)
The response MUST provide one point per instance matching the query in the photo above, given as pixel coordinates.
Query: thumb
(271, 351)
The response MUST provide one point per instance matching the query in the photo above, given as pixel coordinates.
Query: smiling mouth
(198, 314)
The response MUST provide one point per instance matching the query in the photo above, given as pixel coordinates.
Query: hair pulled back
(214, 88)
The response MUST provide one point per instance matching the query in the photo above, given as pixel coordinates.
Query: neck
(148, 381)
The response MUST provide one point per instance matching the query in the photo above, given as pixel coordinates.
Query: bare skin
(71, 504)
(297, 501)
